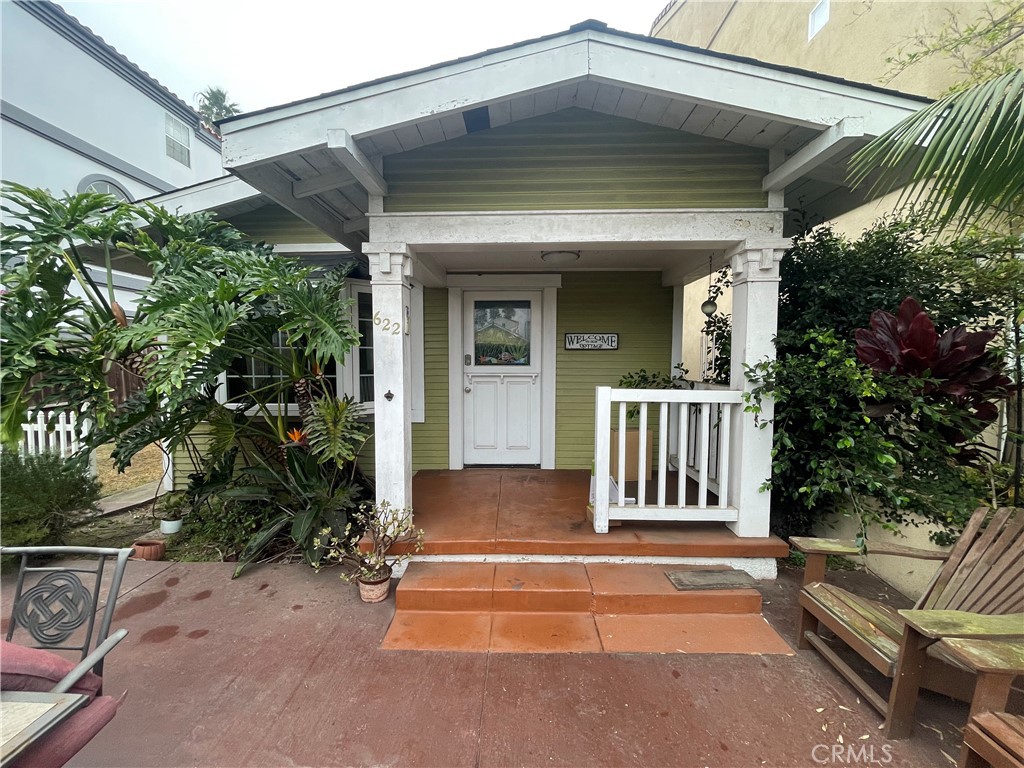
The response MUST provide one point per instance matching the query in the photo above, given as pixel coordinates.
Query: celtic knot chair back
(55, 600)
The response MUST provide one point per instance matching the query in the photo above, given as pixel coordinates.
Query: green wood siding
(183, 466)
(367, 458)
(632, 304)
(274, 224)
(430, 439)
(575, 159)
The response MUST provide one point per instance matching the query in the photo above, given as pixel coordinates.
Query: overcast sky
(266, 53)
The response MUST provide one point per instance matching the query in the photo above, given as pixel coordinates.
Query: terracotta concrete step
(578, 632)
(600, 588)
(645, 589)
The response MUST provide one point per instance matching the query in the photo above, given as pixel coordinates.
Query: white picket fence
(697, 422)
(62, 438)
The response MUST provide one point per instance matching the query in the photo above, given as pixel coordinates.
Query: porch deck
(544, 512)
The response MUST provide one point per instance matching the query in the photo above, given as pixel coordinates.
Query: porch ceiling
(323, 158)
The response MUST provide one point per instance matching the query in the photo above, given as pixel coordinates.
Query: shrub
(38, 494)
(845, 435)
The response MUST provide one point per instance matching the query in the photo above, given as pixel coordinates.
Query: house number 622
(387, 324)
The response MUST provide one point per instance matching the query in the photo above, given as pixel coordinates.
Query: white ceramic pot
(170, 526)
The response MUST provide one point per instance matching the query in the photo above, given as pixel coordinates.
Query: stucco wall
(854, 44)
(908, 575)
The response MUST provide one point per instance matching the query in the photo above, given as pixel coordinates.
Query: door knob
(468, 390)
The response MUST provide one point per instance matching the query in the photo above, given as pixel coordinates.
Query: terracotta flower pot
(374, 591)
(149, 549)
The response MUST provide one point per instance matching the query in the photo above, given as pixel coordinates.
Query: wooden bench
(977, 593)
(991, 738)
(994, 739)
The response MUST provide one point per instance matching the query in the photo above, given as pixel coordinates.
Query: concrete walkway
(284, 667)
(123, 501)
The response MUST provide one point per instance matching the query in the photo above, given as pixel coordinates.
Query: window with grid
(177, 138)
(248, 374)
(364, 354)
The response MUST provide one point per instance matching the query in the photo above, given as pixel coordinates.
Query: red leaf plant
(956, 366)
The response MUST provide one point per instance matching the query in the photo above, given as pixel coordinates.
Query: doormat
(689, 580)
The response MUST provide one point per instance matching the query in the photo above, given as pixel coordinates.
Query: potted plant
(364, 551)
(171, 513)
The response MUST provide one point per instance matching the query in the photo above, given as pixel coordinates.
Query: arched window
(103, 185)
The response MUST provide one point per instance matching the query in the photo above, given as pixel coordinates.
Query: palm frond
(963, 156)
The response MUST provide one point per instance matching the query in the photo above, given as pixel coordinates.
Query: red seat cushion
(33, 669)
(64, 741)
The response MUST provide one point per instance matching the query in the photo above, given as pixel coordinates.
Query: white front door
(502, 377)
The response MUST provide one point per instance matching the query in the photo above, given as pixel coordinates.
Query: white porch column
(755, 315)
(390, 269)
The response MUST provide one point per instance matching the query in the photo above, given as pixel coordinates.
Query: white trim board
(648, 66)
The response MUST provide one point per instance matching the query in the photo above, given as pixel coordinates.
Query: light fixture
(709, 307)
(559, 258)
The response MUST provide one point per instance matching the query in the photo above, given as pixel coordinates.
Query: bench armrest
(991, 656)
(812, 546)
(902, 550)
(940, 625)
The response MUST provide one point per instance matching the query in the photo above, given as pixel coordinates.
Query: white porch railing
(61, 439)
(697, 421)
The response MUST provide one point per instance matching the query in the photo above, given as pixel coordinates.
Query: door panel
(502, 373)
(485, 408)
(519, 402)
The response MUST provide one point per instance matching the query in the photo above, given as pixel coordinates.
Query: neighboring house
(77, 115)
(846, 38)
(573, 184)
(851, 39)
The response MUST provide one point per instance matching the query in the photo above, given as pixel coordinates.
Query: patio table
(27, 716)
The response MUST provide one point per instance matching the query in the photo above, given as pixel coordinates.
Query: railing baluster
(684, 442)
(705, 449)
(663, 429)
(641, 470)
(602, 449)
(723, 457)
(622, 454)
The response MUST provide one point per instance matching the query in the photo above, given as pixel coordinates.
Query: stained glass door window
(501, 332)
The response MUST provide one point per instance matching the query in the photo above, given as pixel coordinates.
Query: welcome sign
(591, 341)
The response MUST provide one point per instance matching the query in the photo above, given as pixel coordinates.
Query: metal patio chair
(53, 608)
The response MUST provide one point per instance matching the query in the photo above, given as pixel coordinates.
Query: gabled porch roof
(322, 158)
